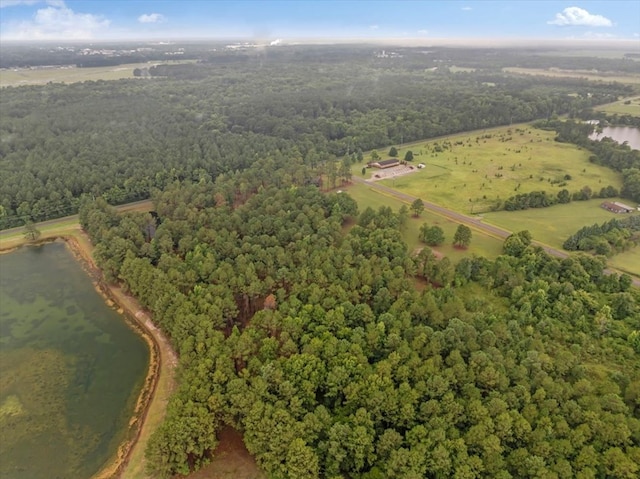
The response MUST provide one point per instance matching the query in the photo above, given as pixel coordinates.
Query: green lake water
(70, 368)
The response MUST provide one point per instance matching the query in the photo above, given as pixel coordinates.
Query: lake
(71, 369)
(620, 134)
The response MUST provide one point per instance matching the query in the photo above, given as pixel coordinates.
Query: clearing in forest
(474, 173)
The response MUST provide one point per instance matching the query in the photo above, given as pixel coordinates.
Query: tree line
(121, 139)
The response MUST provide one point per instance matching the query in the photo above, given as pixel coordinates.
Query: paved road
(476, 223)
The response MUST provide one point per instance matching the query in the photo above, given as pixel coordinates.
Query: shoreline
(162, 358)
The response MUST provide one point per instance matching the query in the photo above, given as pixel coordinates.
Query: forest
(307, 324)
(338, 353)
(121, 139)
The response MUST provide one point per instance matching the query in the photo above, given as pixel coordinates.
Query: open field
(469, 173)
(622, 108)
(71, 74)
(552, 226)
(481, 244)
(629, 78)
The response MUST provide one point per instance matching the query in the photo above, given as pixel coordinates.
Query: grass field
(71, 74)
(481, 244)
(629, 78)
(622, 107)
(554, 225)
(471, 172)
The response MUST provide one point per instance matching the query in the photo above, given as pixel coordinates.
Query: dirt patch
(231, 460)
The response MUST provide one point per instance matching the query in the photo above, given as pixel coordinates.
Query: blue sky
(322, 19)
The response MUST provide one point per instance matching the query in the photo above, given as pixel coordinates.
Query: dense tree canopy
(313, 341)
(121, 139)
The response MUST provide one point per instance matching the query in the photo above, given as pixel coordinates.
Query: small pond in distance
(620, 134)
(71, 369)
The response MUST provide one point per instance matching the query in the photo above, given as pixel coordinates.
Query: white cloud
(152, 18)
(423, 32)
(56, 22)
(276, 42)
(466, 9)
(579, 16)
(373, 27)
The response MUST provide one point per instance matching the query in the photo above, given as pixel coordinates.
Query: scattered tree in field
(31, 233)
(393, 152)
(403, 214)
(408, 156)
(364, 170)
(431, 235)
(462, 238)
(516, 243)
(417, 207)
(374, 156)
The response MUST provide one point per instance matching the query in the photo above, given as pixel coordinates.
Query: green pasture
(627, 262)
(553, 225)
(71, 74)
(471, 172)
(622, 107)
(481, 244)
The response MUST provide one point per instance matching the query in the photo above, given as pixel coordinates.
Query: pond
(71, 369)
(620, 134)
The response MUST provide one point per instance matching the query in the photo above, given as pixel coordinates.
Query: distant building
(616, 207)
(386, 163)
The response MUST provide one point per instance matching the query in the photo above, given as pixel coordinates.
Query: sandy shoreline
(162, 359)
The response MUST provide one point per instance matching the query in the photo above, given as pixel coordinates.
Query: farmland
(68, 74)
(629, 78)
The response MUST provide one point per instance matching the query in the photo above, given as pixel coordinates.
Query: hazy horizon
(417, 23)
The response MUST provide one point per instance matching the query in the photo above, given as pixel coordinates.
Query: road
(470, 221)
(43, 224)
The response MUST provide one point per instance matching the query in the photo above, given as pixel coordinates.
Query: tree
(408, 156)
(516, 243)
(417, 207)
(431, 235)
(393, 152)
(462, 238)
(364, 170)
(31, 233)
(374, 156)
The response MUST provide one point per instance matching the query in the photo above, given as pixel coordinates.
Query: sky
(274, 21)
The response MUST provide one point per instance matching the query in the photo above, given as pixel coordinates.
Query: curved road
(468, 220)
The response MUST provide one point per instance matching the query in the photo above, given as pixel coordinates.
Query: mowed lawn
(469, 173)
(481, 244)
(628, 106)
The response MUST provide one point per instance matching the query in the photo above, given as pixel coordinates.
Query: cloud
(466, 9)
(276, 42)
(57, 22)
(373, 27)
(152, 18)
(572, 16)
(423, 32)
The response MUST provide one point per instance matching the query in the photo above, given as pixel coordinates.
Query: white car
(420, 165)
